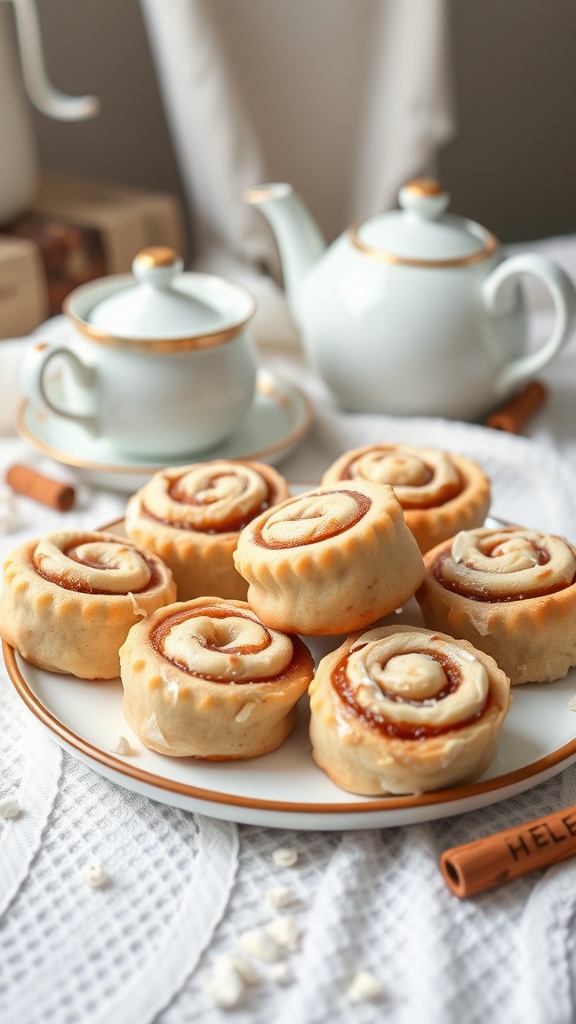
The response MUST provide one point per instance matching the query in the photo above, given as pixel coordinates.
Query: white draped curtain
(346, 99)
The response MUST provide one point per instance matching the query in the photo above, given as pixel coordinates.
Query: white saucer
(279, 419)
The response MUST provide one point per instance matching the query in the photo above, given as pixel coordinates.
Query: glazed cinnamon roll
(206, 678)
(510, 592)
(191, 517)
(440, 492)
(330, 560)
(70, 598)
(403, 710)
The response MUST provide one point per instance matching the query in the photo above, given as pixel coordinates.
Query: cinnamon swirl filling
(206, 678)
(217, 497)
(222, 644)
(93, 564)
(505, 565)
(421, 477)
(411, 686)
(311, 518)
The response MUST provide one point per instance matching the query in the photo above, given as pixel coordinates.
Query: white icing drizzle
(419, 476)
(234, 646)
(207, 495)
(401, 675)
(104, 562)
(504, 563)
(309, 518)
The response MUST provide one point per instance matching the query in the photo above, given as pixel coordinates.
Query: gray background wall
(512, 165)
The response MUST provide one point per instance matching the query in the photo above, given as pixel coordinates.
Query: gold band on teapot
(490, 244)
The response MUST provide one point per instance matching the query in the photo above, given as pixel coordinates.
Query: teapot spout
(298, 237)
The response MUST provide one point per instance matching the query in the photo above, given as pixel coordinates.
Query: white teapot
(414, 311)
(160, 362)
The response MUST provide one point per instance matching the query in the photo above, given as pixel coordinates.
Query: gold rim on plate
(390, 803)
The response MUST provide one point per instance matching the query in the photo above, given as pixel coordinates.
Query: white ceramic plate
(285, 789)
(279, 419)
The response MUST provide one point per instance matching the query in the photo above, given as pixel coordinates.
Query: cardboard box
(76, 231)
(23, 292)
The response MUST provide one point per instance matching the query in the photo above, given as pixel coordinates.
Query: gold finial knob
(157, 256)
(424, 187)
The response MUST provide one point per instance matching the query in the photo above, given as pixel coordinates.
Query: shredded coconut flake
(225, 987)
(246, 970)
(94, 875)
(136, 607)
(280, 896)
(9, 518)
(363, 986)
(245, 712)
(261, 945)
(280, 973)
(9, 807)
(286, 932)
(285, 856)
(120, 745)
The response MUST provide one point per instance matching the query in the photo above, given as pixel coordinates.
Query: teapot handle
(33, 370)
(499, 295)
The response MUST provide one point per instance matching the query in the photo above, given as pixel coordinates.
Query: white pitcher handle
(44, 95)
(500, 296)
(33, 380)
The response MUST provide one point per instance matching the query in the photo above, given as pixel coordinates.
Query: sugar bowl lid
(422, 233)
(159, 306)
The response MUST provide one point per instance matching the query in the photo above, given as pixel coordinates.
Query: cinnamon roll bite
(440, 492)
(331, 560)
(191, 517)
(206, 678)
(70, 598)
(512, 593)
(399, 710)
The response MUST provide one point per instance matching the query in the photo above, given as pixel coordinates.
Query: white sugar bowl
(160, 363)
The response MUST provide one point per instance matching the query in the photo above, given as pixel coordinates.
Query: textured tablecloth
(184, 889)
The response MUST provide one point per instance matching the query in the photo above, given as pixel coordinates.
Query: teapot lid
(159, 304)
(421, 232)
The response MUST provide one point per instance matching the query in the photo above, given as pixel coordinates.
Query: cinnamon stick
(489, 862)
(515, 413)
(29, 482)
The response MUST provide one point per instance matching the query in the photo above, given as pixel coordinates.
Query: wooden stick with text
(489, 862)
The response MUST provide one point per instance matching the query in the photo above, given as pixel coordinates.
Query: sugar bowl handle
(35, 385)
(500, 296)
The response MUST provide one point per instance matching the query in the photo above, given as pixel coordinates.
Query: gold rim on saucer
(264, 386)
